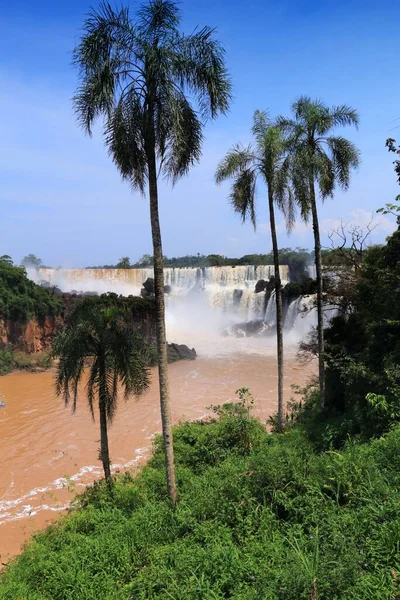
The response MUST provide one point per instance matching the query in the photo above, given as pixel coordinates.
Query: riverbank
(259, 516)
(50, 454)
(12, 360)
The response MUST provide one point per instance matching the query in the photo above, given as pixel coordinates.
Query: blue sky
(61, 197)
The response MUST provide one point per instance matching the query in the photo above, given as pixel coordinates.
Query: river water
(49, 454)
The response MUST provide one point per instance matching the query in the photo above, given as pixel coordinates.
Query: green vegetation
(12, 359)
(21, 299)
(265, 159)
(260, 516)
(320, 162)
(363, 348)
(154, 88)
(102, 334)
(31, 260)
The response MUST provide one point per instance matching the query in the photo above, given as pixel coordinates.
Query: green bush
(6, 360)
(10, 359)
(260, 515)
(21, 298)
(37, 360)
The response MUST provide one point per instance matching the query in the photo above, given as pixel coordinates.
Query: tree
(100, 334)
(124, 263)
(145, 261)
(6, 258)
(264, 159)
(390, 208)
(32, 261)
(140, 76)
(323, 162)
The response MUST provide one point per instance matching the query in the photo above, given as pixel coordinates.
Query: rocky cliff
(32, 336)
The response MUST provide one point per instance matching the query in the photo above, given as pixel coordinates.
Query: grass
(16, 360)
(260, 517)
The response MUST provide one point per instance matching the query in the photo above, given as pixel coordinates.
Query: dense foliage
(21, 298)
(363, 352)
(11, 359)
(297, 260)
(260, 516)
(363, 375)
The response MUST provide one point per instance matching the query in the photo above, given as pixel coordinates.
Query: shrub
(259, 516)
(6, 360)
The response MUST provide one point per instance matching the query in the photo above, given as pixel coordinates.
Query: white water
(228, 289)
(202, 302)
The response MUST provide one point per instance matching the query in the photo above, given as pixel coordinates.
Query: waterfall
(311, 271)
(220, 295)
(228, 291)
(270, 312)
(292, 313)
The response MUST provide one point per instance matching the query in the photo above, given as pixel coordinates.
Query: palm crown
(137, 74)
(265, 158)
(318, 156)
(117, 355)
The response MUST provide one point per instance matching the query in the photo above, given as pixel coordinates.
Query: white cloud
(361, 218)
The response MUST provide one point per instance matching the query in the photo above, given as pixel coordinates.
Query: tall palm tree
(264, 159)
(320, 161)
(140, 76)
(100, 335)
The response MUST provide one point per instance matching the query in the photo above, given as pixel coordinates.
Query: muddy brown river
(49, 454)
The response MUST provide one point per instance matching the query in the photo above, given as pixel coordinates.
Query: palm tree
(100, 334)
(320, 161)
(138, 75)
(264, 159)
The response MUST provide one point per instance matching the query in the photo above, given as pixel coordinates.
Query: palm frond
(325, 173)
(283, 193)
(345, 157)
(185, 138)
(261, 124)
(124, 139)
(243, 195)
(157, 19)
(237, 160)
(344, 115)
(140, 77)
(100, 330)
(199, 63)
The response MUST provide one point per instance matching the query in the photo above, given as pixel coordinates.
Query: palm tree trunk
(320, 310)
(160, 325)
(279, 311)
(104, 449)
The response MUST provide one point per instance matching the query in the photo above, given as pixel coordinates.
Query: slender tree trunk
(320, 308)
(279, 310)
(160, 325)
(104, 450)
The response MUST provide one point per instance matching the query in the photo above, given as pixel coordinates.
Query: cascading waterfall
(292, 313)
(270, 312)
(228, 289)
(199, 294)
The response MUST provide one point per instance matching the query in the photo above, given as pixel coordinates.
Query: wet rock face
(237, 296)
(147, 290)
(261, 286)
(257, 327)
(32, 336)
(180, 352)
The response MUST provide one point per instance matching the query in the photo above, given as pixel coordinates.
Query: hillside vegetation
(260, 516)
(21, 299)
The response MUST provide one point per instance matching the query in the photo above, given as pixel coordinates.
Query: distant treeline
(297, 260)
